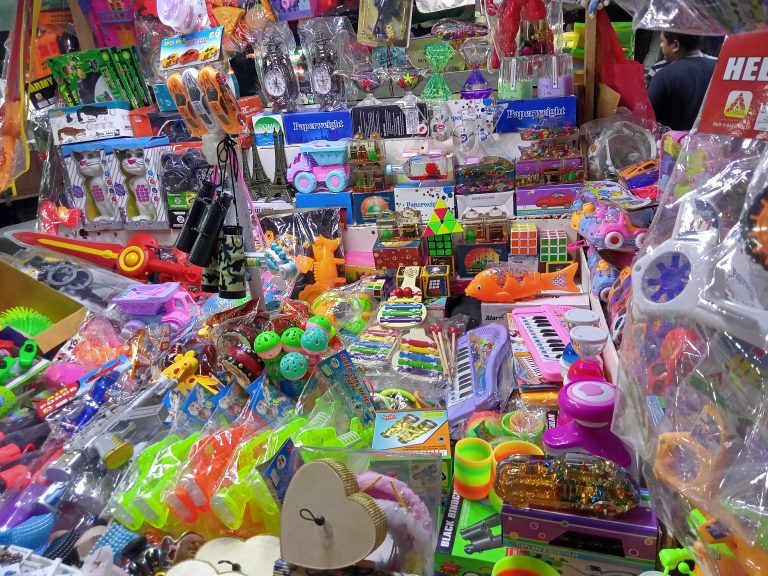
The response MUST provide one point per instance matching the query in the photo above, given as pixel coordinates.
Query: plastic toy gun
(138, 259)
(157, 466)
(105, 442)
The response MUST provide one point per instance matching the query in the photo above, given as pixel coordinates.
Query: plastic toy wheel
(614, 240)
(305, 182)
(7, 401)
(604, 293)
(640, 239)
(336, 180)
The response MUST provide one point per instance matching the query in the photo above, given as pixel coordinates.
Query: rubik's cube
(553, 246)
(439, 245)
(523, 239)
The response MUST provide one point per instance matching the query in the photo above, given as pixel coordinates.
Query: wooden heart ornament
(327, 523)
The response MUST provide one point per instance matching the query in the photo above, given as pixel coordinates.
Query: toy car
(641, 174)
(154, 303)
(319, 162)
(603, 274)
(611, 228)
(169, 61)
(189, 56)
(555, 200)
(208, 53)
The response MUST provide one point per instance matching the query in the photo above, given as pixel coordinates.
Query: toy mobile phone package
(137, 166)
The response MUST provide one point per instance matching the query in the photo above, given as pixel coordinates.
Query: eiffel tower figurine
(256, 179)
(280, 186)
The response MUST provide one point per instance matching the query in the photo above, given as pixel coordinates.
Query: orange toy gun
(138, 259)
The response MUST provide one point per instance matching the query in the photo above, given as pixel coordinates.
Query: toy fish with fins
(507, 285)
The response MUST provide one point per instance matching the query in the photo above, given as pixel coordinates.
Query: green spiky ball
(25, 319)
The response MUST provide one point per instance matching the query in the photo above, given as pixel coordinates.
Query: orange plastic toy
(506, 285)
(324, 266)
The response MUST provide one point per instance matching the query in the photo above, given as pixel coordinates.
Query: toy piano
(545, 335)
(480, 354)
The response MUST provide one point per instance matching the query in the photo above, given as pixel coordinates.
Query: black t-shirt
(677, 90)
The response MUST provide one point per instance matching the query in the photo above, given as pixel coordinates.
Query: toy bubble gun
(93, 400)
(208, 460)
(248, 489)
(146, 501)
(126, 512)
(138, 259)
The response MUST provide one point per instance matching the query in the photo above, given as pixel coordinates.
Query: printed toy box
(423, 198)
(342, 200)
(311, 125)
(577, 545)
(470, 541)
(390, 121)
(392, 255)
(367, 206)
(483, 203)
(476, 257)
(545, 200)
(419, 431)
(137, 165)
(521, 114)
(91, 169)
(90, 122)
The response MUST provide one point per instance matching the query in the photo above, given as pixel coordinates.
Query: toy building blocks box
(65, 314)
(366, 206)
(90, 122)
(517, 114)
(423, 198)
(476, 257)
(553, 199)
(485, 202)
(341, 200)
(311, 125)
(392, 255)
(470, 541)
(578, 545)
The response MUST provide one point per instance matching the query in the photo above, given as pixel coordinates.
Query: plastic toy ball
(293, 366)
(291, 339)
(314, 341)
(267, 345)
(321, 322)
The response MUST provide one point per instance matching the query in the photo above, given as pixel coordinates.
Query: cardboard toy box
(90, 122)
(484, 202)
(457, 556)
(518, 114)
(476, 257)
(366, 206)
(419, 431)
(19, 289)
(311, 125)
(388, 120)
(545, 200)
(392, 255)
(423, 198)
(579, 545)
(342, 200)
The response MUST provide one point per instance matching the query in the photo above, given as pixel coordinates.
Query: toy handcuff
(183, 172)
(66, 277)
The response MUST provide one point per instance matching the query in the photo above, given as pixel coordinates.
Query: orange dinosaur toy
(506, 285)
(324, 266)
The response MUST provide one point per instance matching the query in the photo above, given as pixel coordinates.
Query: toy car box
(475, 555)
(545, 200)
(578, 545)
(90, 122)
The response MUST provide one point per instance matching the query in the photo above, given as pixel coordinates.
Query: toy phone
(197, 101)
(181, 99)
(221, 99)
(691, 462)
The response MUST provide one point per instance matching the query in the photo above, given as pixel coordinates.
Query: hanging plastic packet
(274, 45)
(385, 23)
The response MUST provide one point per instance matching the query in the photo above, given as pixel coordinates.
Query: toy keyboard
(544, 333)
(479, 355)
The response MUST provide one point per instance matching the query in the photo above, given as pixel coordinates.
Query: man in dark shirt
(677, 90)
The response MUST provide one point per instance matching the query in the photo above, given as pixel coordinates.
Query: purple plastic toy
(589, 406)
(320, 162)
(155, 303)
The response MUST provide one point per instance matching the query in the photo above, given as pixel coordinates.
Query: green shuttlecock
(25, 319)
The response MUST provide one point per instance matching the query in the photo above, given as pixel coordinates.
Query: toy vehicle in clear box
(153, 303)
(541, 171)
(613, 229)
(320, 162)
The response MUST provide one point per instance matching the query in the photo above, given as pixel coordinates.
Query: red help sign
(737, 101)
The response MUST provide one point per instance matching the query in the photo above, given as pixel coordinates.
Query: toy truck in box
(320, 162)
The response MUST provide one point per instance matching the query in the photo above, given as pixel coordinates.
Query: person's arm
(658, 94)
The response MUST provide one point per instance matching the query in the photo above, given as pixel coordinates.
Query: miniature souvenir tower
(442, 224)
(280, 186)
(365, 158)
(523, 239)
(553, 248)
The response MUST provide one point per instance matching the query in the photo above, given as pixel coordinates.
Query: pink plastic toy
(320, 162)
(611, 228)
(588, 341)
(153, 303)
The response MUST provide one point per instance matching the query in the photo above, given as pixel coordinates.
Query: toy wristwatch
(221, 99)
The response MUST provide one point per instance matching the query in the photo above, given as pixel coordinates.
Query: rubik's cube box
(578, 545)
(551, 199)
(470, 541)
(417, 431)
